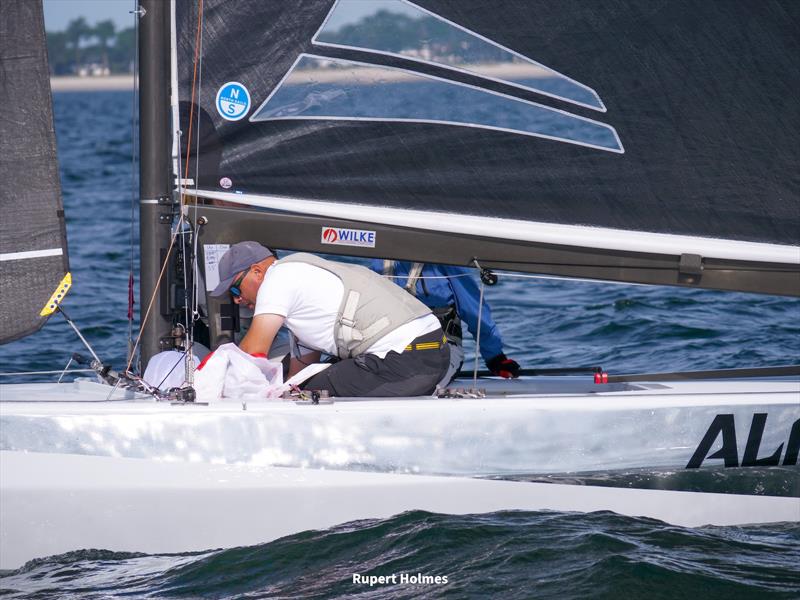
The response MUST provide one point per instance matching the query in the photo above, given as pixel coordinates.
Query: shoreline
(73, 83)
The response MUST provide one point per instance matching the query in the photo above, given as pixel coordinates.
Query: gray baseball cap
(238, 258)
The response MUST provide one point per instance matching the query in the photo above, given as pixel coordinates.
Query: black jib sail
(651, 142)
(34, 268)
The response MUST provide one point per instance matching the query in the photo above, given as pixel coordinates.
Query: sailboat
(617, 141)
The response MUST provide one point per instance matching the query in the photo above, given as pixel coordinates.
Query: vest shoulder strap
(413, 276)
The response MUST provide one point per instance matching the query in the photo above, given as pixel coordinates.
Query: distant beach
(91, 84)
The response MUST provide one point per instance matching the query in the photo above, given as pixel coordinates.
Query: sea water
(544, 322)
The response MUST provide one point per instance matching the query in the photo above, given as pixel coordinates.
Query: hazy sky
(58, 13)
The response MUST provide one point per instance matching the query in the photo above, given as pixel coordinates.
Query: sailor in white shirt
(388, 343)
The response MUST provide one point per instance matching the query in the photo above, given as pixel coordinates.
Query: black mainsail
(34, 267)
(650, 142)
(614, 140)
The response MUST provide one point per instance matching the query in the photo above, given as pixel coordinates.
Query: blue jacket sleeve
(466, 295)
(460, 290)
(376, 264)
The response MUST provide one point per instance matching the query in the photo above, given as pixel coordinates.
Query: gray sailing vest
(371, 305)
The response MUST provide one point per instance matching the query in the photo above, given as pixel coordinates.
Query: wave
(513, 554)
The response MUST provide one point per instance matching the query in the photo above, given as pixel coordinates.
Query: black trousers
(410, 373)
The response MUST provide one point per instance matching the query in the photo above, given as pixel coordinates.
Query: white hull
(55, 503)
(138, 475)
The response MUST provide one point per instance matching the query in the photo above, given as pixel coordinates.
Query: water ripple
(519, 554)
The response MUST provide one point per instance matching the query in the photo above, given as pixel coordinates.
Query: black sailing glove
(503, 366)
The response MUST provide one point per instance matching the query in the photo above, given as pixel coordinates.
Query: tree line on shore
(82, 49)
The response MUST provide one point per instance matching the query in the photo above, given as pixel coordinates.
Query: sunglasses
(236, 286)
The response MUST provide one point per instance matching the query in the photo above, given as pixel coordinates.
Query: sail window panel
(325, 88)
(401, 28)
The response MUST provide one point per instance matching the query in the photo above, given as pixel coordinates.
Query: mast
(155, 191)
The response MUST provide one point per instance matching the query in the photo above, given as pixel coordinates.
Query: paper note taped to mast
(400, 579)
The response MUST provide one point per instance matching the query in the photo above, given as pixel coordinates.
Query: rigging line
(113, 389)
(522, 276)
(156, 288)
(196, 270)
(430, 276)
(71, 401)
(80, 335)
(180, 229)
(734, 268)
(583, 279)
(478, 337)
(183, 356)
(186, 290)
(180, 220)
(177, 229)
(134, 155)
(195, 293)
(187, 303)
(193, 95)
(152, 301)
(195, 277)
(48, 372)
(60, 377)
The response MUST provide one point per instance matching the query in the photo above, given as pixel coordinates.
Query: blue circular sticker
(233, 101)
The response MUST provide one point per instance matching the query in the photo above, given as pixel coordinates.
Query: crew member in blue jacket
(454, 295)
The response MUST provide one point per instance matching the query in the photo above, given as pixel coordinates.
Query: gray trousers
(409, 373)
(456, 360)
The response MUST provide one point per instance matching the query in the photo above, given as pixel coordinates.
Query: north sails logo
(348, 237)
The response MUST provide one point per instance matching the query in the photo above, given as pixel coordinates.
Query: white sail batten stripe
(527, 231)
(31, 254)
(372, 50)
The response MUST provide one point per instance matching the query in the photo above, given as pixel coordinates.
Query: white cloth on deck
(229, 373)
(232, 374)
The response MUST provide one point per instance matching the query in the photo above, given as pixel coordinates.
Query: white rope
(581, 279)
(517, 275)
(430, 276)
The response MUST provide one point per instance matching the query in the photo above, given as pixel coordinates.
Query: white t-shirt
(309, 298)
